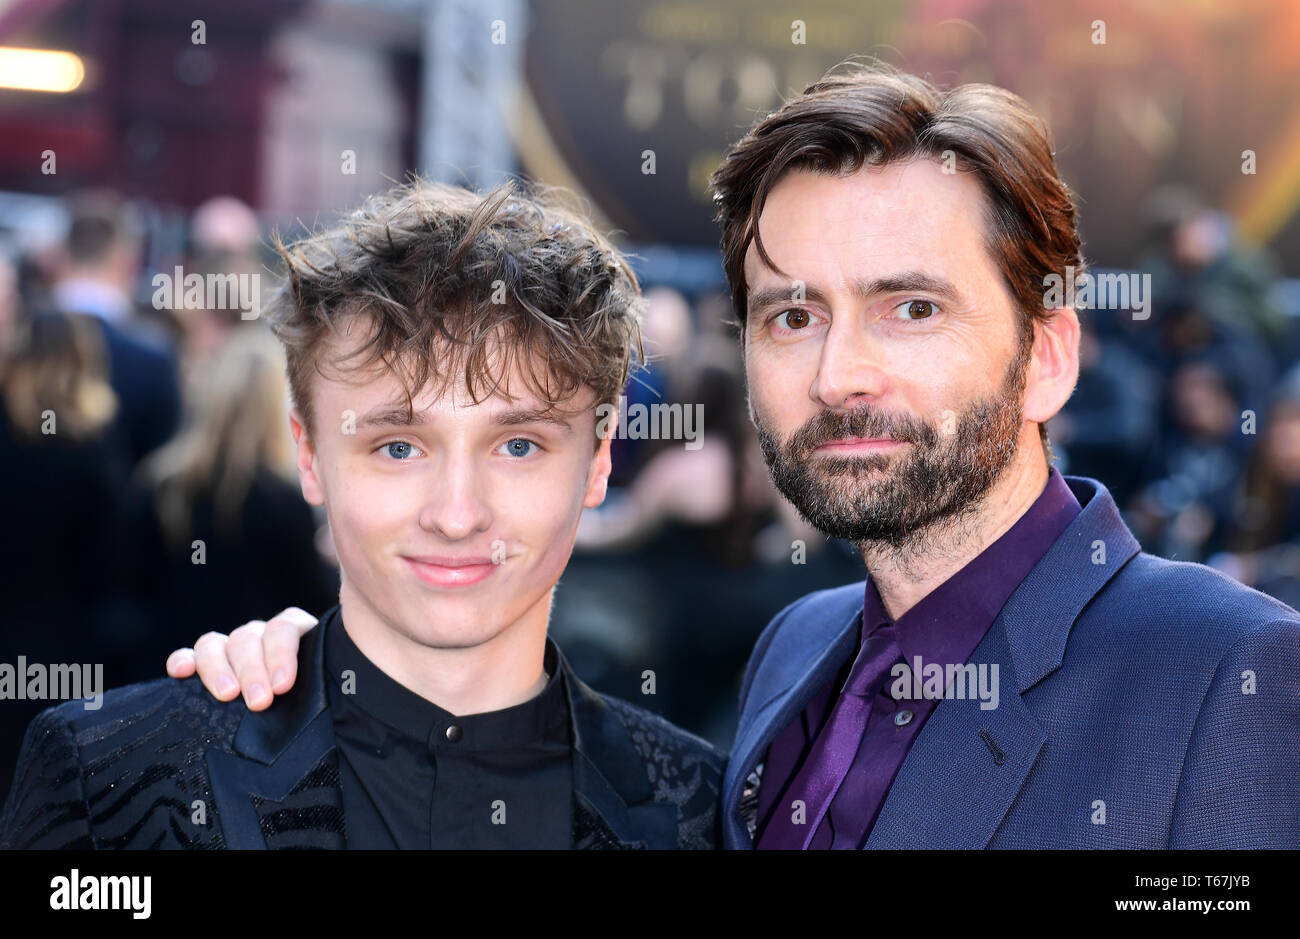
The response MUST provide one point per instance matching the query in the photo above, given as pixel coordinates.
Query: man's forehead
(878, 222)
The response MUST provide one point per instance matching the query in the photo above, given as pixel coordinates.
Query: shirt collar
(949, 622)
(539, 719)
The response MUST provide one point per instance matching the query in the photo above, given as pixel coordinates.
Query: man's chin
(454, 633)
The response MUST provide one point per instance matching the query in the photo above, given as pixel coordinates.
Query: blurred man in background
(98, 274)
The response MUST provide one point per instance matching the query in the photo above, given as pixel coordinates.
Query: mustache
(828, 426)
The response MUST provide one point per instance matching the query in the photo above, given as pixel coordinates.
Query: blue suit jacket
(1143, 703)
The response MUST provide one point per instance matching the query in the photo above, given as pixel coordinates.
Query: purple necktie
(835, 747)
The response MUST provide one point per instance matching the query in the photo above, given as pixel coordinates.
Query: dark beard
(939, 479)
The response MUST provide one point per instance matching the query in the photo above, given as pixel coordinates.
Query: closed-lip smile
(450, 571)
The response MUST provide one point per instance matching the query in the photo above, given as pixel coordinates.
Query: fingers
(213, 666)
(246, 658)
(180, 664)
(280, 641)
(245, 655)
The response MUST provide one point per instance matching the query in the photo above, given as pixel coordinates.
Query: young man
(1015, 672)
(446, 353)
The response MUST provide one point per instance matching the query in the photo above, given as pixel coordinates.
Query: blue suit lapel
(812, 658)
(965, 768)
(968, 765)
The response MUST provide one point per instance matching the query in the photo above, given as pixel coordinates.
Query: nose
(456, 505)
(849, 368)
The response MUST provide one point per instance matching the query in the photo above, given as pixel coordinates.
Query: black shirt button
(454, 733)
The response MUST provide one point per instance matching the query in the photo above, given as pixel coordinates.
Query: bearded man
(1014, 672)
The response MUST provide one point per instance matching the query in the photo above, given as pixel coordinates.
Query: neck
(905, 575)
(502, 672)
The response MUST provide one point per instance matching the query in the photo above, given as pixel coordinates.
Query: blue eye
(399, 449)
(518, 447)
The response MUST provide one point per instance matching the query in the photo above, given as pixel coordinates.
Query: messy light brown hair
(458, 286)
(872, 115)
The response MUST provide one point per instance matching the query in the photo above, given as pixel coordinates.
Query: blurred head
(54, 379)
(1201, 238)
(104, 239)
(224, 225)
(1204, 405)
(1281, 443)
(8, 299)
(667, 329)
(887, 246)
(447, 352)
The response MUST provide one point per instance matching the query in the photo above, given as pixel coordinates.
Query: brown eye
(795, 319)
(917, 309)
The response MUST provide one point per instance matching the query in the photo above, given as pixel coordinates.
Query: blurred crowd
(1189, 416)
(150, 492)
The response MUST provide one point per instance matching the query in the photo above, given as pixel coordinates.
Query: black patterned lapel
(281, 786)
(613, 802)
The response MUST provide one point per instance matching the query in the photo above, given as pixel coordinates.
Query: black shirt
(416, 776)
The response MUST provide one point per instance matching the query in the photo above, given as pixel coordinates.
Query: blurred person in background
(1195, 466)
(684, 521)
(220, 528)
(224, 241)
(204, 330)
(225, 225)
(1186, 331)
(1264, 538)
(9, 300)
(668, 331)
(1197, 253)
(1106, 427)
(59, 499)
(96, 278)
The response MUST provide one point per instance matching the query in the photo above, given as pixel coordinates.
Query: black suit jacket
(162, 764)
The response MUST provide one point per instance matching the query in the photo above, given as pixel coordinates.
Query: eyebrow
(396, 415)
(904, 282)
(517, 416)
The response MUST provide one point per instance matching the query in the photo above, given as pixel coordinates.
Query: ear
(1053, 365)
(312, 489)
(602, 463)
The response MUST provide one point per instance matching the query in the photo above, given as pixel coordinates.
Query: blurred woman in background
(60, 501)
(223, 534)
(1264, 545)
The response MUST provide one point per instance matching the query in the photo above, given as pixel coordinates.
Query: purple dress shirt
(943, 628)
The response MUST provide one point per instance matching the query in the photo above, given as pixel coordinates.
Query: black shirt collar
(542, 718)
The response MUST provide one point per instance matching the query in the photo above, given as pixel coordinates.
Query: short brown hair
(874, 115)
(444, 275)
